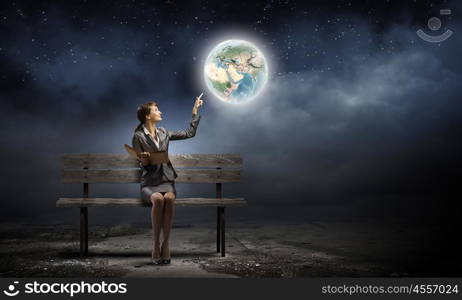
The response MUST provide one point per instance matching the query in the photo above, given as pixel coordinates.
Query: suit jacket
(143, 142)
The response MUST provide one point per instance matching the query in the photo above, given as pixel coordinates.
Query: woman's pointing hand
(199, 102)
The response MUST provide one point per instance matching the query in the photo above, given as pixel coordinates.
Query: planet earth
(235, 71)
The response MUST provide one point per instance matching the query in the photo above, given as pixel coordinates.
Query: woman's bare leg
(169, 211)
(156, 218)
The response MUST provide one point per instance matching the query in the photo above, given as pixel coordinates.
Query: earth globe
(235, 71)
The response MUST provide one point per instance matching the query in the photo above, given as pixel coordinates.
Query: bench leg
(83, 231)
(218, 229)
(222, 229)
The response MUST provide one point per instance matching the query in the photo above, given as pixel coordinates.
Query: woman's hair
(143, 111)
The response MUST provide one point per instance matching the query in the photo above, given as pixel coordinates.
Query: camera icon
(10, 292)
(434, 24)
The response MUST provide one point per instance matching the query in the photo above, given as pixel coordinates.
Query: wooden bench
(118, 168)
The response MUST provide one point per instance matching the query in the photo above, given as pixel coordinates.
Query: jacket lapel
(150, 141)
(162, 139)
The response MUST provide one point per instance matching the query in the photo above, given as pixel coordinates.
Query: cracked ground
(313, 249)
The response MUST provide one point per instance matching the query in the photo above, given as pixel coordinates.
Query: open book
(155, 158)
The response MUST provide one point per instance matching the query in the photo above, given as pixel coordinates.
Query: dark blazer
(142, 142)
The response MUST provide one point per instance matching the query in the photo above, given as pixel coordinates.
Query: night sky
(360, 117)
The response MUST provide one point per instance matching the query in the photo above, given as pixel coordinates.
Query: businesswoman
(158, 180)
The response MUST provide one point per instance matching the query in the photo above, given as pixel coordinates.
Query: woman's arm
(188, 133)
(191, 131)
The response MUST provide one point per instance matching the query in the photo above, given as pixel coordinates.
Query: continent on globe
(235, 71)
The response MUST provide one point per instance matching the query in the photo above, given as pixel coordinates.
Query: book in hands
(155, 158)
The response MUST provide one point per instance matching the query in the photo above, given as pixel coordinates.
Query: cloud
(330, 136)
(82, 72)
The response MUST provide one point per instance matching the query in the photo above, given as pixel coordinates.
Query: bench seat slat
(133, 176)
(114, 161)
(123, 202)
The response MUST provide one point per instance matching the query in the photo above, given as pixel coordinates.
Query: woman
(158, 180)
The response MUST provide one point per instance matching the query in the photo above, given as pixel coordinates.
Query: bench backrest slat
(120, 168)
(133, 176)
(114, 161)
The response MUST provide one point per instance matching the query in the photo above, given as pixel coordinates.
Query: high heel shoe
(165, 261)
(157, 262)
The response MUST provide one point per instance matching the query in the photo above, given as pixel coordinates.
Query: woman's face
(155, 115)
